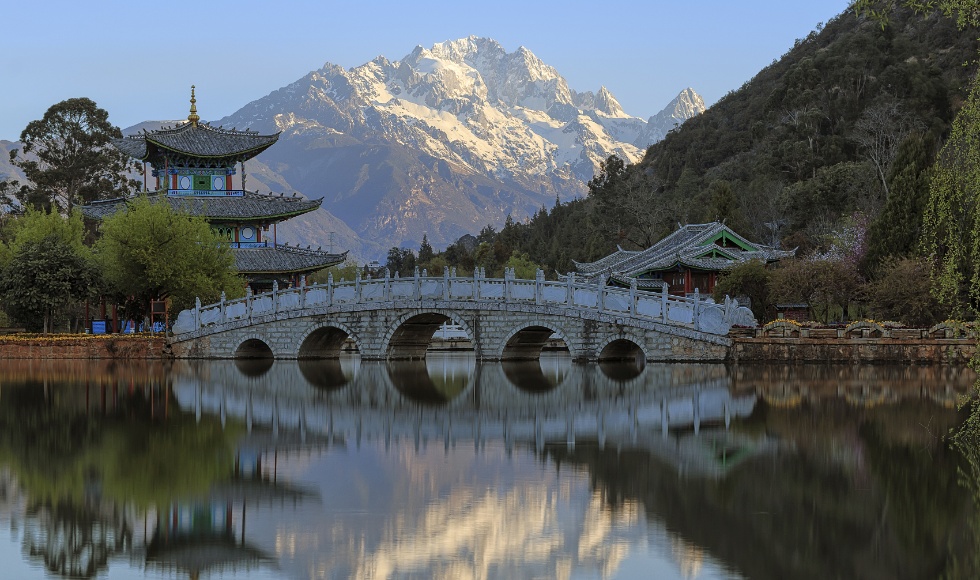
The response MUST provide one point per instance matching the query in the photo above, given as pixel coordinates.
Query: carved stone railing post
(387, 285)
(601, 293)
(330, 289)
(248, 303)
(445, 283)
(224, 315)
(538, 281)
(570, 291)
(302, 291)
(663, 303)
(357, 287)
(197, 313)
(416, 285)
(697, 309)
(476, 284)
(632, 308)
(275, 296)
(507, 284)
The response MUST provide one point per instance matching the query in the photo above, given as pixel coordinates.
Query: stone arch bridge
(505, 319)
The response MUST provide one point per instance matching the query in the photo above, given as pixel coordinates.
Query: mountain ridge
(442, 142)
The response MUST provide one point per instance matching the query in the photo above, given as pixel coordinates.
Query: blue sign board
(98, 327)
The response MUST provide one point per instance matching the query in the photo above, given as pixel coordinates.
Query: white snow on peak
(482, 109)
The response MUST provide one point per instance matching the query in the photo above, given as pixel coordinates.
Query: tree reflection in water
(777, 472)
(966, 561)
(96, 444)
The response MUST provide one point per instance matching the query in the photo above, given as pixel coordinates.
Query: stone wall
(863, 341)
(84, 347)
(854, 350)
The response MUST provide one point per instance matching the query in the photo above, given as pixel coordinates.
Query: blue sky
(137, 60)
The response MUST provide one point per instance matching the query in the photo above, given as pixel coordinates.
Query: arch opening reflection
(437, 380)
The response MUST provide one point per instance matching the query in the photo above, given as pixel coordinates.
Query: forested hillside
(838, 133)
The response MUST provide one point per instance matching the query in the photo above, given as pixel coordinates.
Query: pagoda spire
(193, 117)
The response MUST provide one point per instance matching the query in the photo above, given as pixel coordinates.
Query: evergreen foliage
(43, 278)
(68, 158)
(401, 262)
(44, 268)
(150, 251)
(751, 280)
(901, 292)
(897, 229)
(819, 136)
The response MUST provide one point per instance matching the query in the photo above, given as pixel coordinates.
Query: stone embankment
(83, 346)
(780, 342)
(858, 342)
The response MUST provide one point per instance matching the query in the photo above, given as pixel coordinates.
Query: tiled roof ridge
(308, 251)
(187, 125)
(248, 193)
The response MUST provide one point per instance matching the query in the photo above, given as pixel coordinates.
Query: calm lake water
(450, 469)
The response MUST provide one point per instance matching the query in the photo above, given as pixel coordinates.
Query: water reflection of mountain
(370, 469)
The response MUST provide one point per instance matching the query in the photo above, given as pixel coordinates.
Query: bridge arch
(623, 346)
(525, 342)
(255, 346)
(325, 340)
(409, 336)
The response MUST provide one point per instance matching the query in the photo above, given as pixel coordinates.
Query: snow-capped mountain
(443, 142)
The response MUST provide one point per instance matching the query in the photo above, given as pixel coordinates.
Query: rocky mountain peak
(685, 105)
(444, 141)
(607, 103)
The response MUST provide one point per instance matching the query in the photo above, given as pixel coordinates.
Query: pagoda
(194, 165)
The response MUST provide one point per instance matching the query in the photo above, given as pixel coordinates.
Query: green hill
(830, 131)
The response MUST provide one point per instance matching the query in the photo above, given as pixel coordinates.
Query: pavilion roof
(195, 140)
(693, 246)
(283, 260)
(250, 206)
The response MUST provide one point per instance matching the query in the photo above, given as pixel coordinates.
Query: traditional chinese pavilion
(194, 165)
(687, 260)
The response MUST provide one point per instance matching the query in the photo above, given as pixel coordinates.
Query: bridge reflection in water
(661, 407)
(704, 423)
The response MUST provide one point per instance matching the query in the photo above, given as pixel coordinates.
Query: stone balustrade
(693, 313)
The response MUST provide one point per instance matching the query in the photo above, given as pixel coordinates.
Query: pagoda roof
(694, 246)
(249, 206)
(195, 140)
(283, 260)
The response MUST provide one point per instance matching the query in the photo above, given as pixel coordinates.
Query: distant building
(688, 259)
(193, 164)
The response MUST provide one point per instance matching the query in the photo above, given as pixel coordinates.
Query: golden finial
(193, 117)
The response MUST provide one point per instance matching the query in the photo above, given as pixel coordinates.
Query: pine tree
(896, 230)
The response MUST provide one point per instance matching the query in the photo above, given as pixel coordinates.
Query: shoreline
(754, 348)
(85, 346)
